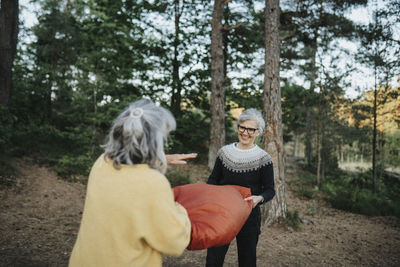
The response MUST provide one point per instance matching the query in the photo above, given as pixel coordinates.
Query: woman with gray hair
(130, 217)
(245, 164)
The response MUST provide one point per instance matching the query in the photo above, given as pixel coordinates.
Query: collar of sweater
(242, 160)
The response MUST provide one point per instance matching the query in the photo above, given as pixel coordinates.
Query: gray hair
(252, 114)
(138, 135)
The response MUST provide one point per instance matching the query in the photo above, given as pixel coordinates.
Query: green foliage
(6, 128)
(308, 192)
(305, 185)
(294, 101)
(69, 165)
(329, 160)
(361, 201)
(178, 178)
(191, 134)
(313, 210)
(353, 192)
(8, 174)
(392, 148)
(248, 95)
(293, 220)
(84, 61)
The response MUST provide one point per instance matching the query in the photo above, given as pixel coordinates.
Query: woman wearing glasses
(245, 164)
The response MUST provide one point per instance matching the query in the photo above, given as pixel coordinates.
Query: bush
(69, 151)
(313, 210)
(178, 178)
(8, 175)
(6, 129)
(293, 220)
(306, 178)
(354, 193)
(191, 135)
(306, 185)
(70, 165)
(308, 192)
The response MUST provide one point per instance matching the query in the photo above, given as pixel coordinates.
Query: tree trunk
(374, 134)
(176, 81)
(319, 139)
(309, 122)
(308, 141)
(8, 45)
(225, 39)
(381, 154)
(341, 152)
(273, 139)
(295, 146)
(217, 98)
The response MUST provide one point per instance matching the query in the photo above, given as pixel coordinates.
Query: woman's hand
(179, 159)
(255, 199)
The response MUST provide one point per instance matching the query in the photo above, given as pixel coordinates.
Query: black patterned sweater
(250, 168)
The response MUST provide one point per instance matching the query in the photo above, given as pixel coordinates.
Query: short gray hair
(138, 135)
(252, 114)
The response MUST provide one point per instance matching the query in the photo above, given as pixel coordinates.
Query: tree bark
(319, 140)
(217, 98)
(273, 139)
(296, 144)
(374, 132)
(8, 46)
(309, 116)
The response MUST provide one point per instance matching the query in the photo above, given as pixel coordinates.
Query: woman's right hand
(255, 199)
(179, 159)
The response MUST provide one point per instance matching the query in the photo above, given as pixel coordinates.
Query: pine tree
(9, 12)
(273, 140)
(379, 50)
(310, 20)
(217, 98)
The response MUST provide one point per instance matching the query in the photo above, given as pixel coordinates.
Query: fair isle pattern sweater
(250, 168)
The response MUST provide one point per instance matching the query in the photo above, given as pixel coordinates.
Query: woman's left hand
(255, 199)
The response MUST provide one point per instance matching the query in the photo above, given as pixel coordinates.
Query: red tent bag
(217, 212)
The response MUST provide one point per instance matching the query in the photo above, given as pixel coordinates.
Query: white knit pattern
(240, 160)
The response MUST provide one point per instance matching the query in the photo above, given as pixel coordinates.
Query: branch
(394, 40)
(186, 74)
(228, 28)
(288, 36)
(287, 16)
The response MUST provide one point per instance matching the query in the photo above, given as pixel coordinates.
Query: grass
(304, 185)
(363, 166)
(351, 191)
(293, 220)
(313, 210)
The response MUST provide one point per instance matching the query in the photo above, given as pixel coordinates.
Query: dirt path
(39, 220)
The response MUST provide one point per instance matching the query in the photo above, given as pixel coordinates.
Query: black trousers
(246, 241)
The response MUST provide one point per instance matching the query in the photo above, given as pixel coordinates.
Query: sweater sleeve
(168, 225)
(216, 174)
(268, 184)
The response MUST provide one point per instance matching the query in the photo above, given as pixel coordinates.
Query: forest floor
(40, 217)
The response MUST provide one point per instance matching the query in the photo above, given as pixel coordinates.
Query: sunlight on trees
(83, 61)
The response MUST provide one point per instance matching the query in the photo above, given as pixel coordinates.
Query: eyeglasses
(250, 131)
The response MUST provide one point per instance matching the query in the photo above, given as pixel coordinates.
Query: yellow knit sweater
(130, 218)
